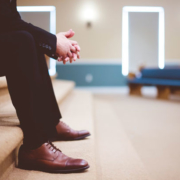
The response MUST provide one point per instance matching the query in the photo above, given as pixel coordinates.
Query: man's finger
(64, 56)
(71, 60)
(73, 49)
(69, 33)
(77, 47)
(73, 42)
(70, 54)
(59, 58)
(67, 59)
(74, 56)
(78, 55)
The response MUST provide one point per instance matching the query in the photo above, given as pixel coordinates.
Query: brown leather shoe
(50, 159)
(65, 133)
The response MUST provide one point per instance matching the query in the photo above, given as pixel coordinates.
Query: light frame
(52, 10)
(125, 34)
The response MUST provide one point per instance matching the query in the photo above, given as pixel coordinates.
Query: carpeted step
(116, 157)
(7, 111)
(62, 88)
(10, 134)
(77, 111)
(3, 82)
(10, 138)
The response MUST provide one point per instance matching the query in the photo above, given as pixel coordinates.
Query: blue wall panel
(92, 74)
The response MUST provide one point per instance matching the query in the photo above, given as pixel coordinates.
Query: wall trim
(172, 62)
(93, 62)
(105, 89)
(111, 61)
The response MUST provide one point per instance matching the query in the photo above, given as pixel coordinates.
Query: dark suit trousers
(30, 87)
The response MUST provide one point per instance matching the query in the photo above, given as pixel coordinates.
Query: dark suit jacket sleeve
(10, 20)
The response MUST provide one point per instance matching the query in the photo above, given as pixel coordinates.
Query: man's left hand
(75, 48)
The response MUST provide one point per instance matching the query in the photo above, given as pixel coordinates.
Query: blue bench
(166, 80)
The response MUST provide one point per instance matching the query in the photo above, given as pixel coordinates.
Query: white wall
(103, 40)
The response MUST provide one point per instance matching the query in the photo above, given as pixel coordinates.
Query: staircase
(81, 111)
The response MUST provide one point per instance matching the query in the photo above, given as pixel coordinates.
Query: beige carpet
(133, 135)
(116, 157)
(153, 126)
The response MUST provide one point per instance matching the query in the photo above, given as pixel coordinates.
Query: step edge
(13, 145)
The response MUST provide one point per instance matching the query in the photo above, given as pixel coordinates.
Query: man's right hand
(67, 49)
(64, 46)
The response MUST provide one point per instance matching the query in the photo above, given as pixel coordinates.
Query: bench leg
(163, 92)
(175, 90)
(135, 89)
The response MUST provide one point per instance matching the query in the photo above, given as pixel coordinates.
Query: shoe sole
(56, 171)
(78, 138)
(81, 137)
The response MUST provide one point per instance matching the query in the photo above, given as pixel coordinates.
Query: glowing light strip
(161, 39)
(35, 8)
(52, 10)
(125, 44)
(125, 35)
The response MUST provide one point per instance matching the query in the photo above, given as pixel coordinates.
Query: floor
(153, 127)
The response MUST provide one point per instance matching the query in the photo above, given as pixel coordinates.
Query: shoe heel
(25, 165)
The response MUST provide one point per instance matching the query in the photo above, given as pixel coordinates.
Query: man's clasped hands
(66, 49)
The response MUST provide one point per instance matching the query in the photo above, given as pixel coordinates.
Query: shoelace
(52, 147)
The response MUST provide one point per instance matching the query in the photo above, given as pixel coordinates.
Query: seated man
(22, 61)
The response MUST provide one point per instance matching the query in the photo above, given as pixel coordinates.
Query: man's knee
(24, 48)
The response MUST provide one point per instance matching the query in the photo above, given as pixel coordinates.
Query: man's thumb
(68, 33)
